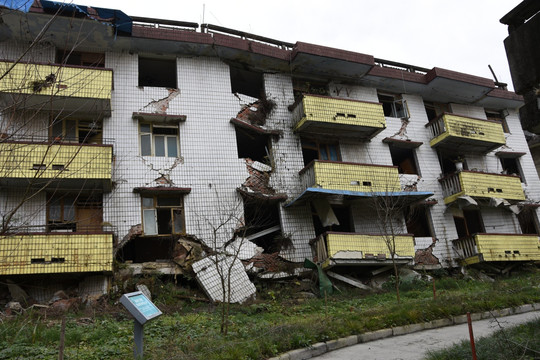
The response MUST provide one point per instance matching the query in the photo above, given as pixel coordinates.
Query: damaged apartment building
(158, 146)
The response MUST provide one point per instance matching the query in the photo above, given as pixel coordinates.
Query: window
(528, 221)
(247, 82)
(76, 130)
(393, 106)
(434, 109)
(80, 58)
(469, 224)
(404, 159)
(499, 117)
(158, 140)
(418, 221)
(73, 212)
(157, 72)
(162, 215)
(511, 167)
(317, 150)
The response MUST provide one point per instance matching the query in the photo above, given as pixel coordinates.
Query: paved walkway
(416, 345)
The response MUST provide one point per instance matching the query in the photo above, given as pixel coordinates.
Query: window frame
(153, 136)
(318, 145)
(154, 209)
(78, 128)
(392, 101)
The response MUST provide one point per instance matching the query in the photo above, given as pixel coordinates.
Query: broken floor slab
(212, 275)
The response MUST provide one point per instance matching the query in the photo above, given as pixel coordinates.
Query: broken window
(511, 166)
(247, 82)
(528, 221)
(157, 72)
(162, 215)
(80, 58)
(499, 117)
(73, 212)
(393, 105)
(418, 221)
(331, 217)
(469, 224)
(76, 130)
(262, 225)
(158, 140)
(433, 109)
(319, 150)
(448, 163)
(404, 159)
(252, 145)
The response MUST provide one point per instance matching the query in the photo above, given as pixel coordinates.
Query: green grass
(275, 323)
(520, 342)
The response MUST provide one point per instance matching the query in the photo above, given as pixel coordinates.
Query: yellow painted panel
(340, 111)
(369, 244)
(56, 80)
(469, 128)
(491, 185)
(77, 161)
(55, 253)
(500, 247)
(356, 177)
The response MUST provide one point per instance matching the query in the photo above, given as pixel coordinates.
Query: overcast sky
(460, 35)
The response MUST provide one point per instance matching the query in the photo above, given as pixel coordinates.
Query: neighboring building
(148, 142)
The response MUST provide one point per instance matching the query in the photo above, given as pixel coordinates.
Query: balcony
(42, 164)
(345, 249)
(481, 185)
(320, 115)
(460, 134)
(53, 253)
(498, 247)
(56, 87)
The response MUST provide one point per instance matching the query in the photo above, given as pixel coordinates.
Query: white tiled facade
(208, 162)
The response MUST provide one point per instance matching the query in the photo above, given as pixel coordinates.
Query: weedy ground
(276, 322)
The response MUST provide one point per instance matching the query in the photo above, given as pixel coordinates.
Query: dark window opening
(448, 163)
(76, 131)
(80, 58)
(262, 226)
(434, 110)
(471, 223)
(146, 249)
(73, 212)
(343, 215)
(511, 166)
(316, 150)
(418, 221)
(404, 159)
(393, 106)
(157, 72)
(163, 215)
(253, 146)
(498, 116)
(528, 221)
(247, 82)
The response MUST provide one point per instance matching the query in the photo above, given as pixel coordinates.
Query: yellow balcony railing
(77, 83)
(54, 253)
(498, 247)
(44, 161)
(320, 115)
(481, 185)
(335, 248)
(466, 134)
(333, 175)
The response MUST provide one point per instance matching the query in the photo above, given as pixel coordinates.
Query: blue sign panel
(141, 302)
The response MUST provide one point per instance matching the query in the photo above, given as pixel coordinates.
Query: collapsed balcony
(481, 185)
(56, 87)
(345, 249)
(455, 133)
(53, 253)
(498, 247)
(321, 115)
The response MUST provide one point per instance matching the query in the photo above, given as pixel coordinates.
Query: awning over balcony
(345, 195)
